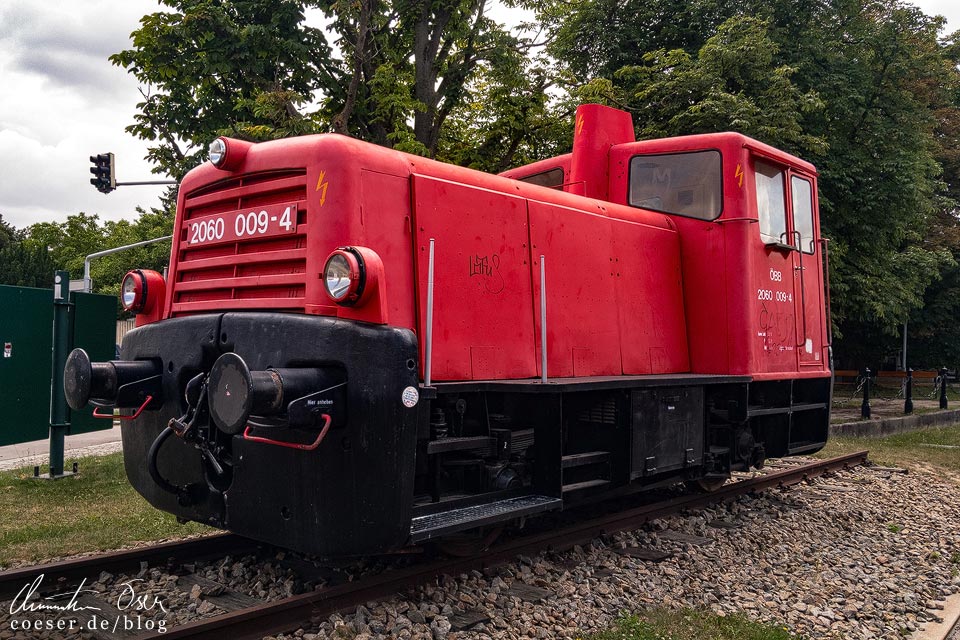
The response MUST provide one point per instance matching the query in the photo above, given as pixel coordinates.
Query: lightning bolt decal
(580, 123)
(739, 175)
(322, 187)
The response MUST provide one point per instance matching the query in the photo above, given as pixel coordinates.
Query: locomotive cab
(753, 262)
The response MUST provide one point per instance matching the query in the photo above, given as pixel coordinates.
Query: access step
(586, 484)
(439, 524)
(583, 459)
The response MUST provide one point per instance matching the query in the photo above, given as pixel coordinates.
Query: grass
(688, 624)
(905, 449)
(92, 511)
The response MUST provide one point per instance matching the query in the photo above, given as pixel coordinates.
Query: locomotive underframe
(467, 454)
(485, 449)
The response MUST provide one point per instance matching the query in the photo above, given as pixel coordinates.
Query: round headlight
(218, 152)
(133, 291)
(343, 276)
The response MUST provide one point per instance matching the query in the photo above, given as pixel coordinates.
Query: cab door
(807, 277)
(776, 293)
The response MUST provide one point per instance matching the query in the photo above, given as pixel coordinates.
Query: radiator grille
(250, 273)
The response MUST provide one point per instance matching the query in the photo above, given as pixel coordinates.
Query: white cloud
(62, 102)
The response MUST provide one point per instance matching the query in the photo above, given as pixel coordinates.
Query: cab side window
(687, 184)
(802, 193)
(552, 178)
(771, 203)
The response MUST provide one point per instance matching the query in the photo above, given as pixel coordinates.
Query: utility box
(26, 334)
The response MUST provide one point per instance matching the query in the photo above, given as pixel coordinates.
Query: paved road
(84, 444)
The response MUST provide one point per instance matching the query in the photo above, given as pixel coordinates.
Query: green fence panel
(95, 330)
(26, 335)
(26, 332)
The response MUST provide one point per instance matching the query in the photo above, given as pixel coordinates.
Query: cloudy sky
(62, 101)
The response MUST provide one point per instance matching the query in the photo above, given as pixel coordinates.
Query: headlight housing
(228, 154)
(344, 276)
(217, 152)
(133, 291)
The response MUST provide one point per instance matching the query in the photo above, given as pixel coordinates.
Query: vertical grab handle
(803, 289)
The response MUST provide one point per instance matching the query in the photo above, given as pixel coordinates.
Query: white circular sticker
(410, 397)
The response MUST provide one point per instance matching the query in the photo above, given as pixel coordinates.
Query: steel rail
(90, 567)
(289, 613)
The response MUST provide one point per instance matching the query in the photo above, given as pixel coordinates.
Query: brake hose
(163, 483)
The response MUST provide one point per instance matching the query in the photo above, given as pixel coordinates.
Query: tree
(23, 265)
(881, 73)
(414, 61)
(596, 38)
(214, 67)
(732, 83)
(245, 68)
(508, 116)
(68, 243)
(862, 88)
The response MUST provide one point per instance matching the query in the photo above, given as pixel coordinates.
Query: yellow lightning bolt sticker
(739, 175)
(322, 187)
(580, 123)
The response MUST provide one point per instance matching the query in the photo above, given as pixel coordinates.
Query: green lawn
(905, 449)
(93, 511)
(687, 624)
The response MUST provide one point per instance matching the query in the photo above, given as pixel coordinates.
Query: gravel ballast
(863, 553)
(857, 555)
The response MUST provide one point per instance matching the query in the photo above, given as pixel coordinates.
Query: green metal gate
(26, 333)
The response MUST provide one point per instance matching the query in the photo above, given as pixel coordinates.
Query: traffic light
(104, 179)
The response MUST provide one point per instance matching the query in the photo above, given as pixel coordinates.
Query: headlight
(344, 276)
(218, 152)
(133, 291)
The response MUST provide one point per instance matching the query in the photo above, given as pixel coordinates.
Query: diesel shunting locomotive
(357, 349)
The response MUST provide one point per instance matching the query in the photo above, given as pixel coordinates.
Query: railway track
(251, 618)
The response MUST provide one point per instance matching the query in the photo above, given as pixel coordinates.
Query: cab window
(551, 178)
(771, 203)
(802, 193)
(687, 184)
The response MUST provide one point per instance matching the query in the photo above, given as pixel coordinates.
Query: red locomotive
(357, 349)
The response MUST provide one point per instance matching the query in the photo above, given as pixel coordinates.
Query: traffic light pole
(132, 184)
(104, 172)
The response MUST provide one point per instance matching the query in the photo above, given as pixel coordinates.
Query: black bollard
(865, 406)
(908, 394)
(943, 388)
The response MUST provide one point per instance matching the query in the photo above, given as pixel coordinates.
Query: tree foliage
(251, 69)
(863, 88)
(214, 67)
(67, 244)
(732, 83)
(23, 264)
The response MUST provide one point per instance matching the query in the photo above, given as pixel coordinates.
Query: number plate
(259, 222)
